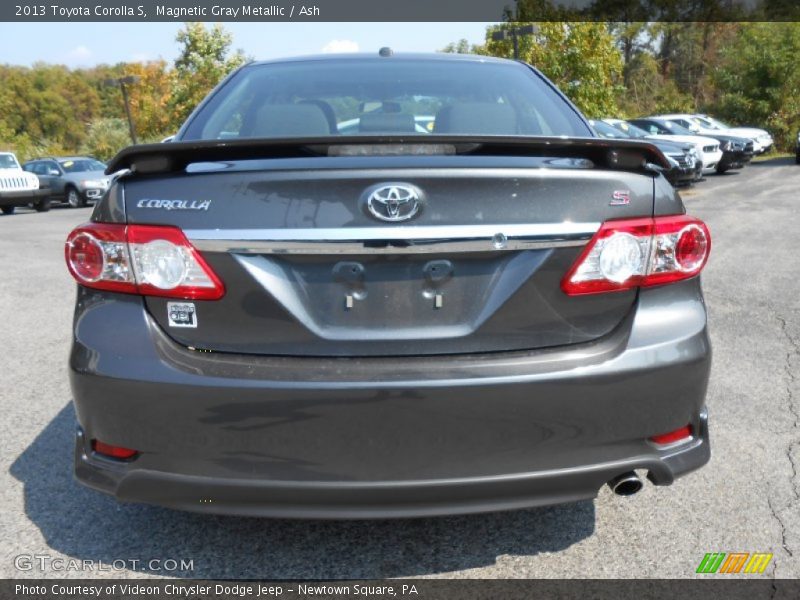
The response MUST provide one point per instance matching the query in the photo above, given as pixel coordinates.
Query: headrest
(489, 118)
(386, 123)
(289, 120)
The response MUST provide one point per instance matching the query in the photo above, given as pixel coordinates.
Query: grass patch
(772, 155)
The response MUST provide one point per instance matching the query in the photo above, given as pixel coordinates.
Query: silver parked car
(76, 180)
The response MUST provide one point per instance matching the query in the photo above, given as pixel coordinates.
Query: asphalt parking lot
(746, 500)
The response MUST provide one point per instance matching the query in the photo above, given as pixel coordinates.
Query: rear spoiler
(172, 157)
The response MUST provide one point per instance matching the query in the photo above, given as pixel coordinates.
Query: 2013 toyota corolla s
(384, 286)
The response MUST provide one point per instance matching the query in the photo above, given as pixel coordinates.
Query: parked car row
(686, 163)
(694, 144)
(706, 125)
(74, 180)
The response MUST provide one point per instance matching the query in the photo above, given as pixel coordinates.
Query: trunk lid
(309, 270)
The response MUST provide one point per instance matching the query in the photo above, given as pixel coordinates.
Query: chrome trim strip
(393, 239)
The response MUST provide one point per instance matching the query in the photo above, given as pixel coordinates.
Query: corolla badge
(394, 202)
(174, 204)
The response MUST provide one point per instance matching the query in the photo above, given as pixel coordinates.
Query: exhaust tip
(626, 484)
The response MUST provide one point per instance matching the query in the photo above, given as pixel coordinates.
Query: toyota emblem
(394, 202)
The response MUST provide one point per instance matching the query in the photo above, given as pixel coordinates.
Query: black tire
(43, 205)
(8, 210)
(797, 157)
(74, 198)
(721, 170)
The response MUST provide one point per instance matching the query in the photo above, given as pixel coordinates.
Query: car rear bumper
(386, 437)
(392, 499)
(21, 197)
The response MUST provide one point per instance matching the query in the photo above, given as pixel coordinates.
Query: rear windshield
(608, 131)
(384, 97)
(674, 128)
(81, 165)
(630, 129)
(709, 122)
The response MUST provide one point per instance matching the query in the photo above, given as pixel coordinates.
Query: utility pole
(514, 33)
(122, 82)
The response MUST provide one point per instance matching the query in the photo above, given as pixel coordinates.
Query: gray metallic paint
(412, 437)
(499, 419)
(295, 305)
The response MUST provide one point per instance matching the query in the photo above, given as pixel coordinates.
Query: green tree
(204, 60)
(106, 137)
(649, 92)
(462, 46)
(758, 80)
(689, 54)
(50, 109)
(581, 58)
(46, 102)
(150, 99)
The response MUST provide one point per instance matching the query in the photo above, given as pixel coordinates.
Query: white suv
(18, 187)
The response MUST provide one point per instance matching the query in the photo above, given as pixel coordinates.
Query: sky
(88, 44)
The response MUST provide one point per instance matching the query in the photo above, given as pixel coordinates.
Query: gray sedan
(501, 311)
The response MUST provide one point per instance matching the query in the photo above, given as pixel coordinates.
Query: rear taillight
(673, 437)
(151, 260)
(113, 451)
(639, 252)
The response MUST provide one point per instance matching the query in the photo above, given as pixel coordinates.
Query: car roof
(655, 118)
(62, 158)
(405, 57)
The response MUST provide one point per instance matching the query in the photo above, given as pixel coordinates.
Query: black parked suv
(495, 311)
(736, 151)
(685, 166)
(76, 180)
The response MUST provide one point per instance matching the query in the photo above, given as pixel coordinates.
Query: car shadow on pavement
(86, 525)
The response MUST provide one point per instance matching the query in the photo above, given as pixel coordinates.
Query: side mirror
(54, 172)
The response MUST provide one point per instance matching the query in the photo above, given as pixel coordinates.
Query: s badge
(181, 314)
(620, 198)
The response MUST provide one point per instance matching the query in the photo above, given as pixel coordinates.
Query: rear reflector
(151, 260)
(643, 252)
(112, 451)
(673, 436)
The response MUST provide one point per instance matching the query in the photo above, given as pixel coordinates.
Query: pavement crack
(791, 380)
(793, 444)
(779, 519)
